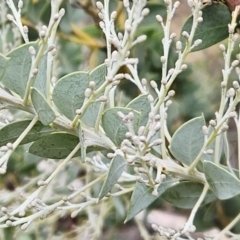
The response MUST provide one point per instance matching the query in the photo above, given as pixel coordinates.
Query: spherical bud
(224, 127)
(198, 42)
(212, 123)
(232, 114)
(209, 151)
(200, 19)
(179, 45)
(32, 50)
(41, 183)
(24, 226)
(22, 213)
(184, 67)
(236, 84)
(9, 223)
(20, 4)
(126, 3)
(102, 99)
(168, 103)
(150, 98)
(142, 138)
(35, 71)
(157, 117)
(88, 92)
(163, 59)
(9, 145)
(110, 155)
(156, 142)
(141, 38)
(176, 4)
(113, 15)
(99, 5)
(74, 214)
(144, 81)
(4, 149)
(115, 55)
(42, 34)
(235, 63)
(192, 229)
(121, 114)
(4, 210)
(101, 15)
(153, 84)
(56, 16)
(231, 92)
(128, 27)
(185, 34)
(62, 12)
(157, 126)
(171, 93)
(10, 17)
(65, 198)
(101, 24)
(131, 115)
(164, 81)
(78, 112)
(54, 52)
(44, 28)
(128, 135)
(222, 47)
(145, 12)
(223, 84)
(173, 35)
(205, 130)
(127, 143)
(159, 18)
(120, 36)
(25, 29)
(141, 130)
(92, 85)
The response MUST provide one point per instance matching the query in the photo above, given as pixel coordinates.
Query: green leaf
(142, 105)
(91, 114)
(3, 64)
(12, 131)
(188, 140)
(56, 146)
(40, 80)
(43, 109)
(185, 194)
(223, 184)
(114, 126)
(17, 72)
(68, 94)
(142, 197)
(214, 27)
(98, 75)
(118, 165)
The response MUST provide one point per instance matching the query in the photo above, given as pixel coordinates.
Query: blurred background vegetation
(81, 46)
